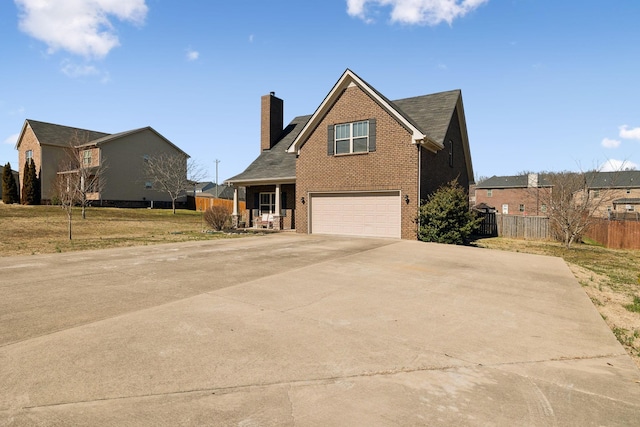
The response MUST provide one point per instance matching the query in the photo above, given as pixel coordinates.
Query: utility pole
(217, 161)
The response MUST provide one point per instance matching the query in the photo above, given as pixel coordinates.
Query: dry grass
(610, 277)
(29, 230)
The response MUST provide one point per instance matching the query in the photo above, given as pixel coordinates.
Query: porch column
(276, 214)
(235, 218)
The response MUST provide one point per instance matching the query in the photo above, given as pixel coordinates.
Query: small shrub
(217, 217)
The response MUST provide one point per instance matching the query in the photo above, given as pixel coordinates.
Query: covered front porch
(268, 205)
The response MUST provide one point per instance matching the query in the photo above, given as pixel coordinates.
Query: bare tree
(84, 168)
(173, 174)
(573, 201)
(65, 192)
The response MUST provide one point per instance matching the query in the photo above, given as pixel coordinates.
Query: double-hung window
(86, 157)
(267, 203)
(350, 138)
(29, 155)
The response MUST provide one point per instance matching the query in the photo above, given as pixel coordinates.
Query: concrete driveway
(306, 331)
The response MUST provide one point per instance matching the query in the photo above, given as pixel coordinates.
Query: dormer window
(350, 138)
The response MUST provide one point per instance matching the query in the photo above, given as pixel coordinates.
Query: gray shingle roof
(430, 113)
(621, 179)
(276, 163)
(517, 181)
(61, 136)
(627, 201)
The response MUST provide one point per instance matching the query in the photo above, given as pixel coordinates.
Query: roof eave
(260, 181)
(348, 79)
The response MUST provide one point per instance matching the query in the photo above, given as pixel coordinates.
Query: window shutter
(256, 200)
(330, 140)
(372, 134)
(283, 200)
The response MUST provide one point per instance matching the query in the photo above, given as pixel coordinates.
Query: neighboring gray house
(123, 155)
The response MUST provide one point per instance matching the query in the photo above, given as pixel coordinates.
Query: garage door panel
(361, 214)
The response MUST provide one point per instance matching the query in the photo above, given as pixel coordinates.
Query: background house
(616, 194)
(512, 195)
(622, 192)
(361, 164)
(122, 156)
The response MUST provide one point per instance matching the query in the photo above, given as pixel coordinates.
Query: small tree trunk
(69, 216)
(173, 204)
(84, 214)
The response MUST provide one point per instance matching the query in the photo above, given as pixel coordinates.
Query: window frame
(271, 203)
(351, 138)
(28, 155)
(87, 157)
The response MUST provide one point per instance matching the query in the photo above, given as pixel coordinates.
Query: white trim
(350, 79)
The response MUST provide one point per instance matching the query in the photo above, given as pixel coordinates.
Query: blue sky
(546, 84)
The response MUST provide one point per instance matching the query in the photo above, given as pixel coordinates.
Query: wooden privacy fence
(514, 226)
(203, 203)
(615, 234)
(523, 227)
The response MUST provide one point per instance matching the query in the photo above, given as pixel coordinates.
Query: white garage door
(356, 214)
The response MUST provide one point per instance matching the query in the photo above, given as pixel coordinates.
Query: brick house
(360, 164)
(614, 193)
(513, 195)
(122, 154)
(621, 191)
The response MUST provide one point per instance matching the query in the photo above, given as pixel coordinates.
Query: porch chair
(265, 221)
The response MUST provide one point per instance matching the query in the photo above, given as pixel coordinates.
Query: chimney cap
(272, 93)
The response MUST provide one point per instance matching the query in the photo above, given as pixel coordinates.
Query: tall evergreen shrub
(445, 216)
(9, 186)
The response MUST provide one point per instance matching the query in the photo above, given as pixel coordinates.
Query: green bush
(217, 217)
(445, 216)
(9, 186)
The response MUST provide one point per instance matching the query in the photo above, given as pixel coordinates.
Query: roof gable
(58, 135)
(349, 78)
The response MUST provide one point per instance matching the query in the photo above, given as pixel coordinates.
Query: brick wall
(513, 197)
(393, 166)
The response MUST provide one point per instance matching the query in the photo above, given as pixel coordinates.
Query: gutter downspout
(419, 193)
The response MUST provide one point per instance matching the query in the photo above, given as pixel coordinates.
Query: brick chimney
(271, 120)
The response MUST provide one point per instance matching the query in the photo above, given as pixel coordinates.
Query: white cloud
(192, 55)
(610, 143)
(250, 38)
(11, 139)
(82, 27)
(627, 133)
(74, 70)
(430, 12)
(613, 165)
